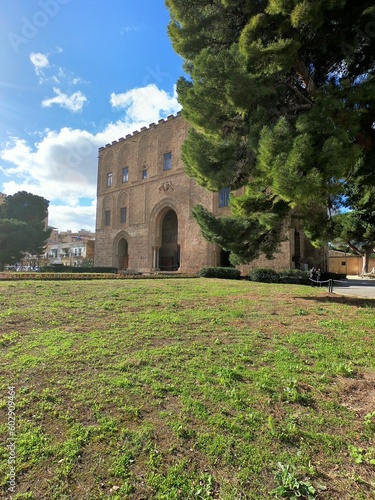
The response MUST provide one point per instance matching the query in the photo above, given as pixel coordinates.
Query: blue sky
(74, 76)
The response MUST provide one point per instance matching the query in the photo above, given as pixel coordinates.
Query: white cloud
(146, 103)
(128, 29)
(62, 165)
(73, 218)
(49, 73)
(73, 102)
(39, 61)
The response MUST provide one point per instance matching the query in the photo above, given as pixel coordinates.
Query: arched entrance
(123, 257)
(169, 252)
(224, 258)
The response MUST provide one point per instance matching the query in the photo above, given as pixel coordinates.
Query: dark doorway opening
(123, 256)
(224, 259)
(169, 253)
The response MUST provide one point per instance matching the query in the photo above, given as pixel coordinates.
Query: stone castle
(144, 203)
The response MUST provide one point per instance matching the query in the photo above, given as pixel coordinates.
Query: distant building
(347, 263)
(144, 203)
(69, 248)
(66, 247)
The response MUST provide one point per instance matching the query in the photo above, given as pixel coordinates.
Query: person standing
(313, 276)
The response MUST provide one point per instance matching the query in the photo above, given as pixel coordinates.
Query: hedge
(264, 275)
(59, 268)
(294, 276)
(229, 273)
(291, 276)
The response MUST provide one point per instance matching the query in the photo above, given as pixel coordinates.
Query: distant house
(346, 263)
(69, 248)
(144, 203)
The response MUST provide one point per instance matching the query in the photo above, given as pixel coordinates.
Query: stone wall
(144, 240)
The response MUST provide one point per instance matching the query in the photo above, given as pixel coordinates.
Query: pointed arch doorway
(169, 252)
(123, 254)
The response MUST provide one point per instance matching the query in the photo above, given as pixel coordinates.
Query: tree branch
(304, 73)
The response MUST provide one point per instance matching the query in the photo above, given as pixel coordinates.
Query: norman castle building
(144, 203)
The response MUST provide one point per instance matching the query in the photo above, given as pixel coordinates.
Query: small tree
(13, 241)
(23, 226)
(356, 228)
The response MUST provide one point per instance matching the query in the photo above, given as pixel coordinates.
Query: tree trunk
(366, 260)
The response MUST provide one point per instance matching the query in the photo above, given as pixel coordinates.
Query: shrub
(332, 276)
(60, 268)
(229, 273)
(264, 275)
(294, 276)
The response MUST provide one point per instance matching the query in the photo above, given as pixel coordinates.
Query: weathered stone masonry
(144, 203)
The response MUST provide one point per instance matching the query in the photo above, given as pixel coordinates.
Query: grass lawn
(186, 389)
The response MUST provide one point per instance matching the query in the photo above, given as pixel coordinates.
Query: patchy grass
(187, 389)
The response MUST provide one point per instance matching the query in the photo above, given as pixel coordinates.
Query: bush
(60, 268)
(294, 276)
(332, 276)
(229, 273)
(264, 275)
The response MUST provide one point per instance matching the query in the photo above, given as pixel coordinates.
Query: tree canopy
(22, 226)
(280, 97)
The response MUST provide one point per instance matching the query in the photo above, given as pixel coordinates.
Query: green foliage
(332, 276)
(22, 226)
(356, 229)
(294, 276)
(186, 388)
(60, 268)
(280, 97)
(369, 422)
(362, 455)
(290, 486)
(264, 275)
(13, 241)
(87, 263)
(229, 273)
(244, 238)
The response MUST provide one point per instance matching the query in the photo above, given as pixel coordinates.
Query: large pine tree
(280, 97)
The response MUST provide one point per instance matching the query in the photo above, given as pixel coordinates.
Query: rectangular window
(167, 161)
(224, 197)
(125, 174)
(144, 173)
(109, 179)
(107, 217)
(123, 215)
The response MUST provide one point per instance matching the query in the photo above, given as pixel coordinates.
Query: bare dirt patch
(358, 394)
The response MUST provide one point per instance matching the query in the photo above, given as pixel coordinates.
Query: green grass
(187, 389)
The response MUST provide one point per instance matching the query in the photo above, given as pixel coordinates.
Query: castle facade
(144, 204)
